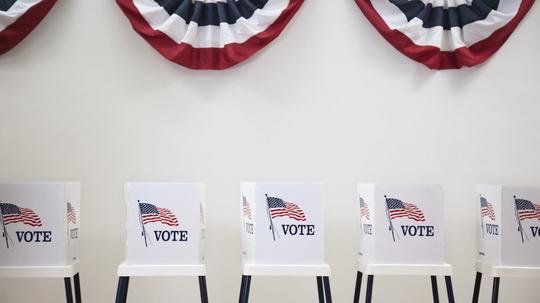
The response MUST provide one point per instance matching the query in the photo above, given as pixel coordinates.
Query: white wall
(85, 98)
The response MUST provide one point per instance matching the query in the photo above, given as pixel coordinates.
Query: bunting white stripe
(446, 40)
(15, 11)
(210, 36)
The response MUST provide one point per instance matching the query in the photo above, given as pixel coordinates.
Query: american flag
(280, 208)
(527, 210)
(246, 208)
(364, 210)
(11, 213)
(151, 213)
(400, 209)
(486, 209)
(71, 215)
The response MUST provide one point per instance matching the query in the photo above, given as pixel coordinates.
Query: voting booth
(165, 233)
(39, 224)
(508, 234)
(283, 233)
(401, 233)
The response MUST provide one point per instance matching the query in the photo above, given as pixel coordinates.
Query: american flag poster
(18, 18)
(151, 214)
(486, 209)
(400, 209)
(364, 209)
(280, 208)
(12, 213)
(526, 210)
(71, 214)
(246, 208)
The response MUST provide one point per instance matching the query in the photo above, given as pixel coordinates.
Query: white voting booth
(165, 233)
(508, 234)
(401, 233)
(39, 224)
(283, 233)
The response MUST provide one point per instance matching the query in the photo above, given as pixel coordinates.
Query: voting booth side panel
(164, 223)
(202, 216)
(489, 218)
(33, 224)
(290, 223)
(73, 219)
(368, 218)
(414, 231)
(521, 225)
(248, 213)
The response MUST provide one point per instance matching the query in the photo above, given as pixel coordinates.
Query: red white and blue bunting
(446, 34)
(18, 18)
(209, 34)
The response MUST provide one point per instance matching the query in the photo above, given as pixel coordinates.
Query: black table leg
(123, 285)
(240, 296)
(203, 290)
(77, 281)
(320, 289)
(327, 291)
(119, 290)
(357, 287)
(495, 294)
(244, 289)
(477, 284)
(124, 294)
(434, 289)
(69, 291)
(449, 289)
(369, 290)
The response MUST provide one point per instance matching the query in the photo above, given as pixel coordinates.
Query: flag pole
(270, 218)
(4, 226)
(482, 218)
(520, 228)
(389, 220)
(142, 224)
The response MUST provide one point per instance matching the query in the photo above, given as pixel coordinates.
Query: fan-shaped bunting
(209, 34)
(446, 34)
(18, 18)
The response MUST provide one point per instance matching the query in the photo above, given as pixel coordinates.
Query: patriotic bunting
(18, 18)
(446, 34)
(209, 34)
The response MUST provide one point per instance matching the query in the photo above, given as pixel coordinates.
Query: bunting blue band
(205, 14)
(458, 16)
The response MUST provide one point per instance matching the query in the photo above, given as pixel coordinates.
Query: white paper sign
(165, 223)
(509, 225)
(39, 223)
(401, 224)
(282, 223)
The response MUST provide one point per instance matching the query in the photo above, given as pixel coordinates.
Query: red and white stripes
(19, 19)
(220, 41)
(471, 41)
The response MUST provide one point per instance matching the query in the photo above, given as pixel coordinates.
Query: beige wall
(85, 98)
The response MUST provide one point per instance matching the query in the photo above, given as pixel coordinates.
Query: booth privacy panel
(40, 223)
